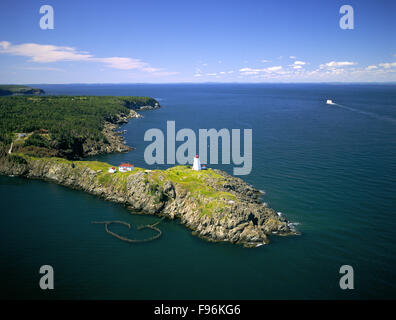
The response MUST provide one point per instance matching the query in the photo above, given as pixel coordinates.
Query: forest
(57, 122)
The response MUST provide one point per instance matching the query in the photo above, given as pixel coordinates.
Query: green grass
(94, 165)
(195, 183)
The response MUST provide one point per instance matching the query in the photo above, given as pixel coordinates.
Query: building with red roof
(124, 167)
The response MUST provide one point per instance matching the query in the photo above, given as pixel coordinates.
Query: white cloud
(292, 57)
(297, 64)
(388, 65)
(211, 74)
(125, 63)
(276, 68)
(299, 71)
(254, 71)
(4, 44)
(40, 53)
(43, 53)
(336, 64)
(249, 71)
(265, 61)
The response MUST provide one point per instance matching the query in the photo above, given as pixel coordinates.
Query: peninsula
(214, 205)
(9, 90)
(70, 127)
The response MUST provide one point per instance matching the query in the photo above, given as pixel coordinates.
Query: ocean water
(331, 169)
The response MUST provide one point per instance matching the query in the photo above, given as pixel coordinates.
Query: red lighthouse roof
(127, 165)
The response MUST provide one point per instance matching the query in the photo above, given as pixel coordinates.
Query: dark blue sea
(331, 169)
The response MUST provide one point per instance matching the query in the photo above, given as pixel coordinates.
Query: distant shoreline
(11, 90)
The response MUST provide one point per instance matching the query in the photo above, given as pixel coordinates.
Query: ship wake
(367, 113)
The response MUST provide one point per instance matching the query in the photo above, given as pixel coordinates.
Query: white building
(112, 170)
(197, 163)
(124, 167)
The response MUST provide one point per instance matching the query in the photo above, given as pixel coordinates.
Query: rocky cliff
(115, 141)
(213, 204)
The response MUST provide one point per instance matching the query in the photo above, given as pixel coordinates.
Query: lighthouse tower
(197, 163)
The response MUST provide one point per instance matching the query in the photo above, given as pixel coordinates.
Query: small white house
(197, 163)
(124, 167)
(112, 170)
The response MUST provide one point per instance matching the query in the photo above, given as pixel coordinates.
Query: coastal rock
(148, 107)
(203, 205)
(115, 141)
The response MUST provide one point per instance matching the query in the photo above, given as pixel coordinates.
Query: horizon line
(198, 83)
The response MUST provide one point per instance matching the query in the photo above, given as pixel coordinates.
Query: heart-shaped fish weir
(147, 226)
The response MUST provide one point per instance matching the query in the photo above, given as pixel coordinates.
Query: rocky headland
(213, 204)
(9, 90)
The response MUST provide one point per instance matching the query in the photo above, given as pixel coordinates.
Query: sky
(157, 41)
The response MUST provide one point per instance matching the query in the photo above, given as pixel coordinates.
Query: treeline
(64, 120)
(136, 102)
(6, 90)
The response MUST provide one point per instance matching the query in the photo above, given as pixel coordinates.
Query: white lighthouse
(197, 163)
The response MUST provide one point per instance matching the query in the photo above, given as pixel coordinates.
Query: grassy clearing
(196, 183)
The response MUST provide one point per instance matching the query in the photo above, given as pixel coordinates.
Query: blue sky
(158, 41)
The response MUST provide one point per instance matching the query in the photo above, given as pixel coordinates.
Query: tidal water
(331, 169)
